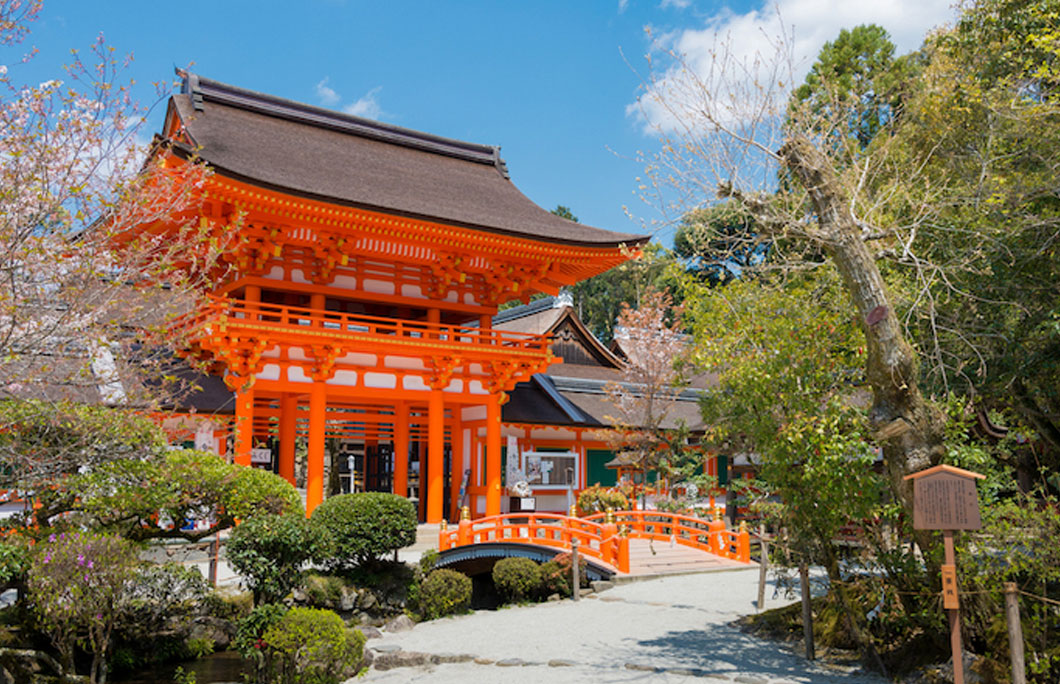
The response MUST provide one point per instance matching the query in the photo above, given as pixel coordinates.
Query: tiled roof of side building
(333, 157)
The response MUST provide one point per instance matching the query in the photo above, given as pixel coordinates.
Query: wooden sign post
(944, 498)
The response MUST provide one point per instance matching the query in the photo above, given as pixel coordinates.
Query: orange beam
(244, 441)
(318, 400)
(493, 455)
(288, 435)
(435, 457)
(401, 449)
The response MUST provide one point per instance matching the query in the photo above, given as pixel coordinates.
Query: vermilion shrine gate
(368, 263)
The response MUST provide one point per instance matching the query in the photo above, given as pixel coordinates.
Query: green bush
(14, 561)
(322, 590)
(312, 647)
(268, 552)
(358, 528)
(597, 499)
(517, 579)
(249, 632)
(556, 575)
(428, 560)
(444, 592)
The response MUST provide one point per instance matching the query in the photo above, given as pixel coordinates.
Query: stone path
(670, 629)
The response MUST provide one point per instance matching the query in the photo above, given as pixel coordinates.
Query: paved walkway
(670, 629)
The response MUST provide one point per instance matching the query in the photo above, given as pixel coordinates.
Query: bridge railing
(596, 540)
(599, 536)
(698, 533)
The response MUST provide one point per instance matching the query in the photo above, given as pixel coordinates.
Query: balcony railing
(355, 332)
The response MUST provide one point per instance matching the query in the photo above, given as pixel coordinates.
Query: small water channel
(216, 668)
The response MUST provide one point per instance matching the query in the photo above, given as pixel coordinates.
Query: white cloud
(676, 4)
(622, 5)
(367, 106)
(751, 41)
(328, 96)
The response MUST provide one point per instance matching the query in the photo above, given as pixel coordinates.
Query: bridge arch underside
(479, 559)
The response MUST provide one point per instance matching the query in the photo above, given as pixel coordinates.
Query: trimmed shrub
(597, 499)
(309, 646)
(268, 552)
(517, 579)
(556, 575)
(358, 528)
(428, 560)
(444, 592)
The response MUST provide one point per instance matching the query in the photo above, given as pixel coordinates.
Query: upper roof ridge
(201, 89)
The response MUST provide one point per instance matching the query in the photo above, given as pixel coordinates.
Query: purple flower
(80, 559)
(51, 538)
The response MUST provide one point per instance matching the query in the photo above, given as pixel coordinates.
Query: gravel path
(672, 629)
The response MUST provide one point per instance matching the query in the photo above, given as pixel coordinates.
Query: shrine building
(357, 301)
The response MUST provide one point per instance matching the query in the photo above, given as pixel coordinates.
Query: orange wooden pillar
(288, 435)
(456, 463)
(244, 440)
(493, 455)
(318, 406)
(435, 456)
(401, 449)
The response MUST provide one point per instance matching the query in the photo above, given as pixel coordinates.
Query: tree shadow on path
(723, 649)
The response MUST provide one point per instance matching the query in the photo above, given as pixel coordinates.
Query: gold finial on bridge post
(609, 515)
(573, 511)
(465, 513)
(445, 524)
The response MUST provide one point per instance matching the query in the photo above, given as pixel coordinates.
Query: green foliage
(309, 646)
(428, 560)
(268, 551)
(323, 591)
(129, 496)
(517, 579)
(44, 442)
(75, 583)
(252, 627)
(444, 592)
(598, 300)
(357, 528)
(789, 376)
(597, 499)
(1016, 544)
(856, 87)
(556, 575)
(155, 597)
(719, 243)
(14, 561)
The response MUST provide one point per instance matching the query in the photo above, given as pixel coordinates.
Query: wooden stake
(1015, 633)
(807, 613)
(763, 566)
(954, 616)
(576, 585)
(214, 551)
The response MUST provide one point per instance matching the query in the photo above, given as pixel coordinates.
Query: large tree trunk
(908, 428)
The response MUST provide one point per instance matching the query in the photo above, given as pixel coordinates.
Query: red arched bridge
(602, 537)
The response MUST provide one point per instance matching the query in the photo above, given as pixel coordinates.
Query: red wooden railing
(604, 537)
(698, 533)
(222, 314)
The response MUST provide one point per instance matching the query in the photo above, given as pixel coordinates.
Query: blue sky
(549, 81)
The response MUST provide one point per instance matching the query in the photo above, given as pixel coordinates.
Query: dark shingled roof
(333, 157)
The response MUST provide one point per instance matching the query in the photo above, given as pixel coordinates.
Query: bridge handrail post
(463, 530)
(743, 544)
(443, 536)
(622, 560)
(717, 530)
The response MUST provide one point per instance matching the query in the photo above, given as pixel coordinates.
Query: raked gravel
(672, 629)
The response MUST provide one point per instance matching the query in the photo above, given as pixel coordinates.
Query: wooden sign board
(944, 498)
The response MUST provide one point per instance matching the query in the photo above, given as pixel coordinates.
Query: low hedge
(444, 592)
(358, 528)
(517, 579)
